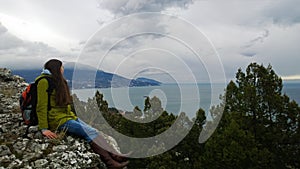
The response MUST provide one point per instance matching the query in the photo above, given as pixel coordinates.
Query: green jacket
(57, 115)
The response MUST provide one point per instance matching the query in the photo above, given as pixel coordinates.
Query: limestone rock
(4, 150)
(36, 151)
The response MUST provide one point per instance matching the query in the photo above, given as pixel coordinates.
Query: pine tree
(259, 127)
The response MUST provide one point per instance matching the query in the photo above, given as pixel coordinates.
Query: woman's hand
(49, 134)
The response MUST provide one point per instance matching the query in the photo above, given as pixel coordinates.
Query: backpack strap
(50, 89)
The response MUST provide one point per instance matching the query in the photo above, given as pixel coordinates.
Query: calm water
(175, 98)
(292, 90)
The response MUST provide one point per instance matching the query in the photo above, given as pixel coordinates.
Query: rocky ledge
(35, 151)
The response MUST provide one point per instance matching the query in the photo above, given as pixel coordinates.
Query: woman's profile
(60, 116)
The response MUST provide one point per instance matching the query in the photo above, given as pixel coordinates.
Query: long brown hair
(63, 97)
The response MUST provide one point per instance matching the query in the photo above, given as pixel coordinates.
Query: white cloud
(255, 31)
(125, 7)
(284, 12)
(34, 32)
(8, 41)
(250, 34)
(291, 77)
(17, 53)
(2, 29)
(123, 39)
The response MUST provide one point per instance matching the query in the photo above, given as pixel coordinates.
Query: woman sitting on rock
(61, 117)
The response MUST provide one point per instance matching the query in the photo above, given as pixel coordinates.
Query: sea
(175, 98)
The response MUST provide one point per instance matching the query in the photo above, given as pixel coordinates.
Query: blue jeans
(79, 128)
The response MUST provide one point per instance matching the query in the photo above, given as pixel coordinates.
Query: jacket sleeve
(42, 104)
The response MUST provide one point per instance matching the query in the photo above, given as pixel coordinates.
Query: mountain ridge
(80, 76)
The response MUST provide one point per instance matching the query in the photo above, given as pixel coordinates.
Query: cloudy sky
(127, 38)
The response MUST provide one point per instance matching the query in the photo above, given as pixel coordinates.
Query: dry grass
(59, 138)
(61, 134)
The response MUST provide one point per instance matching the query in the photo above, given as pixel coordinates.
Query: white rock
(55, 165)
(73, 161)
(89, 161)
(44, 146)
(40, 163)
(15, 164)
(60, 148)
